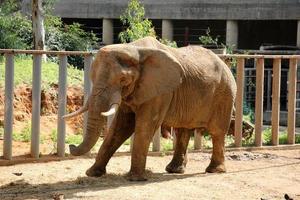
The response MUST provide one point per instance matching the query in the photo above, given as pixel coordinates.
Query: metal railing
(88, 57)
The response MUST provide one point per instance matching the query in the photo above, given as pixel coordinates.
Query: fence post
(156, 140)
(276, 100)
(174, 137)
(239, 102)
(9, 106)
(198, 139)
(131, 142)
(87, 87)
(259, 94)
(62, 97)
(292, 100)
(36, 106)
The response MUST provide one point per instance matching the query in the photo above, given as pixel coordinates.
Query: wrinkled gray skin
(154, 84)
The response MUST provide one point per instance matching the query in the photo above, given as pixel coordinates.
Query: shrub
(60, 36)
(15, 29)
(137, 26)
(16, 32)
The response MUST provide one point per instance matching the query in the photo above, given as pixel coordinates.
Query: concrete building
(246, 24)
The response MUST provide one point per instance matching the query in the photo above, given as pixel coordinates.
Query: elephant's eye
(124, 81)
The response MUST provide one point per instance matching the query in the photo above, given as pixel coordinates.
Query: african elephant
(147, 84)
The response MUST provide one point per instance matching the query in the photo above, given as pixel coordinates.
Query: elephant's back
(205, 78)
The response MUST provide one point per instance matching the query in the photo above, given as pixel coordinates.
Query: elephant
(147, 84)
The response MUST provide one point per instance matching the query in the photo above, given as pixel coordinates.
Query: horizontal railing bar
(20, 51)
(259, 56)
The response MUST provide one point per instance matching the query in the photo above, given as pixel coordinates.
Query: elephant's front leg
(148, 119)
(179, 160)
(121, 129)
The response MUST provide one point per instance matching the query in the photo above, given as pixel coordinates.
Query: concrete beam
(178, 9)
(167, 29)
(232, 33)
(107, 31)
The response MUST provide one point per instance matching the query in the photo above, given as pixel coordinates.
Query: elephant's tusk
(111, 111)
(78, 112)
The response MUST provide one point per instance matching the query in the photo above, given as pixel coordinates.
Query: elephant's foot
(214, 167)
(137, 177)
(95, 172)
(176, 167)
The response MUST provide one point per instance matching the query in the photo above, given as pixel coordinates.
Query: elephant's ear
(160, 72)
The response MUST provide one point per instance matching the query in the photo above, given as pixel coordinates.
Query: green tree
(137, 26)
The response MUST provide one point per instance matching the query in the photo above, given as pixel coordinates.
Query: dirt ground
(251, 175)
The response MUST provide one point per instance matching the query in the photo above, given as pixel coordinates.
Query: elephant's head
(125, 73)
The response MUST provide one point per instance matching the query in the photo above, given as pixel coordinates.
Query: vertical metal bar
(36, 106)
(8, 106)
(131, 142)
(259, 94)
(239, 102)
(108, 123)
(62, 97)
(269, 79)
(292, 100)
(197, 139)
(276, 101)
(156, 140)
(87, 86)
(174, 137)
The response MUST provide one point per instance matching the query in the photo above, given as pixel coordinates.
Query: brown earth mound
(49, 106)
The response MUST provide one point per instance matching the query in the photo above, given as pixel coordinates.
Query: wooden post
(131, 142)
(292, 100)
(36, 105)
(87, 86)
(38, 26)
(8, 106)
(198, 139)
(174, 137)
(156, 140)
(276, 101)
(259, 101)
(62, 103)
(239, 102)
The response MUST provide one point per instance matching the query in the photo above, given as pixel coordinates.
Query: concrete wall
(187, 9)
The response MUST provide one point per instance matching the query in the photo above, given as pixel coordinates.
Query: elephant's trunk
(97, 104)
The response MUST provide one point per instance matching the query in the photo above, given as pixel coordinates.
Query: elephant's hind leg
(216, 164)
(179, 160)
(218, 127)
(120, 130)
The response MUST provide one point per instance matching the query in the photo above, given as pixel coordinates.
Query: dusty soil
(251, 175)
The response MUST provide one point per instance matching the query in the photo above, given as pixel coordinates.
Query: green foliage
(23, 73)
(267, 136)
(169, 43)
(207, 39)
(53, 136)
(60, 36)
(167, 145)
(74, 139)
(24, 135)
(15, 30)
(1, 132)
(137, 26)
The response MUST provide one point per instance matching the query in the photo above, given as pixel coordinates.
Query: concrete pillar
(298, 34)
(232, 33)
(107, 31)
(167, 29)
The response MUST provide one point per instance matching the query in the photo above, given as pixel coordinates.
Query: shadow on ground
(76, 188)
